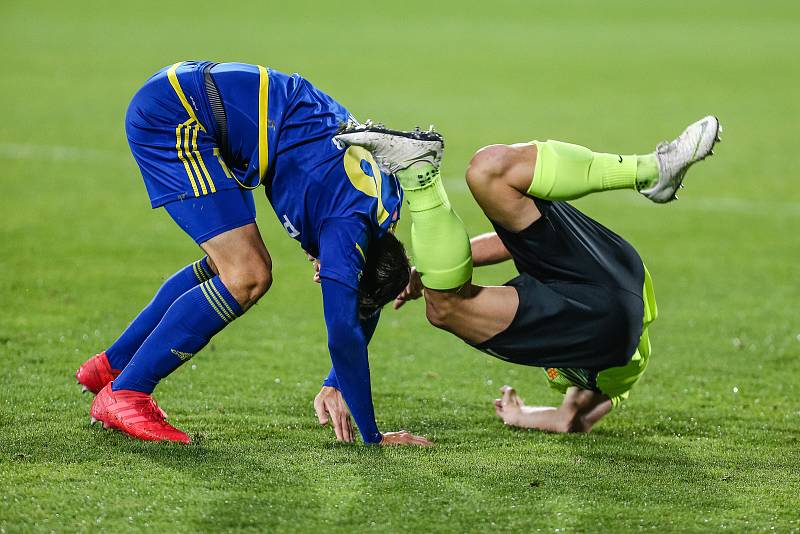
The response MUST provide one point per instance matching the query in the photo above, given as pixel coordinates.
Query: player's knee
(439, 308)
(250, 282)
(489, 164)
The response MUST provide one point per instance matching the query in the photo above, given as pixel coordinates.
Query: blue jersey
(317, 189)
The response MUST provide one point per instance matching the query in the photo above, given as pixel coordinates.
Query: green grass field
(708, 439)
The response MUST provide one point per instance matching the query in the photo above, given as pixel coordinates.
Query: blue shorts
(171, 133)
(210, 215)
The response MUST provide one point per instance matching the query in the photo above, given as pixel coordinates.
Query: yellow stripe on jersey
(360, 251)
(263, 125)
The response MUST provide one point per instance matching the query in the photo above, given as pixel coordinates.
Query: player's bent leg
(243, 263)
(102, 368)
(498, 177)
(223, 224)
(550, 170)
(473, 313)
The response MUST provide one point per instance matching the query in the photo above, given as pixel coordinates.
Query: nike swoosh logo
(426, 154)
(620, 159)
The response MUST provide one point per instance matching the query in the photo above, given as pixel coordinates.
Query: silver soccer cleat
(394, 150)
(674, 159)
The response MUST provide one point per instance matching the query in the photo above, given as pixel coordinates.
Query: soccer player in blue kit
(204, 136)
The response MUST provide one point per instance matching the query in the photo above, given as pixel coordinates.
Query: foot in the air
(135, 414)
(674, 159)
(95, 373)
(395, 150)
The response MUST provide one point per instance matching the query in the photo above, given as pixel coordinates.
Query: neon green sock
(438, 238)
(646, 171)
(565, 171)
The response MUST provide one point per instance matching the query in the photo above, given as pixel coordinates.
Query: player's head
(385, 274)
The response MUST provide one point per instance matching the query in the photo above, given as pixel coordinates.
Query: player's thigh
(498, 177)
(473, 313)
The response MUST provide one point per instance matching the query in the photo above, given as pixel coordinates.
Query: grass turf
(709, 438)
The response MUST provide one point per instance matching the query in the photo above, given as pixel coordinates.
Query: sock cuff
(420, 177)
(202, 270)
(451, 278)
(428, 197)
(622, 176)
(220, 299)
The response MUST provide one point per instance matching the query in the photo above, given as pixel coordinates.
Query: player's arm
(341, 263)
(488, 249)
(348, 347)
(329, 403)
(578, 412)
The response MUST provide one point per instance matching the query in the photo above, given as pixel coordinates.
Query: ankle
(647, 172)
(419, 175)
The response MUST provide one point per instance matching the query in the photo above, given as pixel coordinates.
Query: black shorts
(580, 293)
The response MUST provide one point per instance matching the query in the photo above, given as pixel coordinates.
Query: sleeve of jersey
(348, 348)
(342, 249)
(368, 327)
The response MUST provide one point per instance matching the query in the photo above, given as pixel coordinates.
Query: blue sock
(123, 349)
(187, 327)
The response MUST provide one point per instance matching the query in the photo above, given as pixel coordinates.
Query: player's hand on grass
(331, 408)
(404, 437)
(509, 406)
(412, 291)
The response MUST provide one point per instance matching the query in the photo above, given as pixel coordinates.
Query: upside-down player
(204, 135)
(582, 303)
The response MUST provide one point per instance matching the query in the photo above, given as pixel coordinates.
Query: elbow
(344, 340)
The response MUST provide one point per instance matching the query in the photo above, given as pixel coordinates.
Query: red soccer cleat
(95, 373)
(135, 414)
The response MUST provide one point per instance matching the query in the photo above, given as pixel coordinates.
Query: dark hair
(385, 275)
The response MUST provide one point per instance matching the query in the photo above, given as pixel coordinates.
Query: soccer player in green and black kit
(582, 303)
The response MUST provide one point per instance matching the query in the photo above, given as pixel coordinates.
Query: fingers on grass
(347, 429)
(322, 414)
(337, 428)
